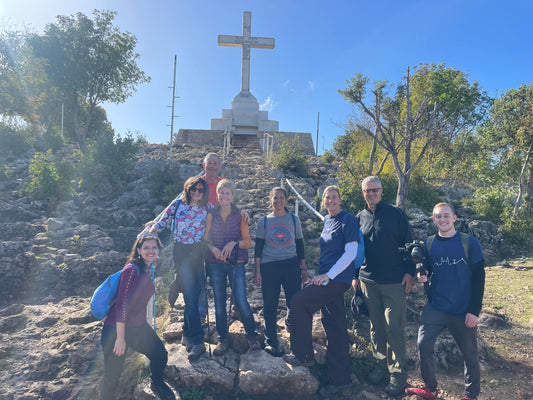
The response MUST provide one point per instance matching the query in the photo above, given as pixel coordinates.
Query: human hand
(226, 251)
(471, 320)
(303, 274)
(245, 216)
(422, 278)
(257, 279)
(320, 280)
(356, 283)
(120, 347)
(409, 282)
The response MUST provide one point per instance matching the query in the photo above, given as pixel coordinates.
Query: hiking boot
(254, 343)
(185, 342)
(222, 347)
(395, 387)
(293, 360)
(196, 351)
(377, 375)
(162, 390)
(274, 351)
(423, 392)
(330, 390)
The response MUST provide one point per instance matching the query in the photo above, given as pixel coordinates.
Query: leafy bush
(53, 139)
(5, 172)
(291, 158)
(422, 194)
(166, 183)
(328, 157)
(16, 140)
(108, 164)
(490, 202)
(50, 178)
(517, 229)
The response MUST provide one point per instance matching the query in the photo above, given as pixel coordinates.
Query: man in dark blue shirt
(456, 266)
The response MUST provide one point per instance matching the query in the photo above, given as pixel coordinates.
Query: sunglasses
(372, 190)
(196, 189)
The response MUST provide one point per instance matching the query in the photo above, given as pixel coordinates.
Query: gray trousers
(432, 323)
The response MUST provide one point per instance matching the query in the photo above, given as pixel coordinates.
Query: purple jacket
(221, 233)
(132, 297)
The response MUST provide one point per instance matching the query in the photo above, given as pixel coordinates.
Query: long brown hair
(194, 181)
(135, 257)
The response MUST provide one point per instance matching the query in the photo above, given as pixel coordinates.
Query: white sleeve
(350, 252)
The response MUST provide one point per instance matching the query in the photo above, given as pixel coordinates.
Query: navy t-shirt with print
(451, 276)
(336, 233)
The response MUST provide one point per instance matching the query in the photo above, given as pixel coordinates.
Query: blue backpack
(105, 295)
(360, 257)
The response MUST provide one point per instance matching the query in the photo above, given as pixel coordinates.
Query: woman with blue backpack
(338, 250)
(125, 325)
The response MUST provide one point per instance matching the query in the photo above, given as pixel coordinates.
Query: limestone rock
(260, 373)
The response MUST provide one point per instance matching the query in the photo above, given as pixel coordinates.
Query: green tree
(436, 103)
(90, 62)
(509, 132)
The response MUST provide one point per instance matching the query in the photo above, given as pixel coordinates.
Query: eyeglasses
(375, 190)
(197, 189)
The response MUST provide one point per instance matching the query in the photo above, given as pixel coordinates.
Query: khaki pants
(386, 308)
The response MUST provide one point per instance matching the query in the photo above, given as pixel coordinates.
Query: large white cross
(246, 41)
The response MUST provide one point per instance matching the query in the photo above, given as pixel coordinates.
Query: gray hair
(369, 179)
(209, 155)
(226, 183)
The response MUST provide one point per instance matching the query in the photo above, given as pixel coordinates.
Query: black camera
(413, 252)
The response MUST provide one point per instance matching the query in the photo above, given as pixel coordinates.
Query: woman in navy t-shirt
(338, 249)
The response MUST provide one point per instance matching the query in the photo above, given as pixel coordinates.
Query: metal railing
(268, 145)
(299, 196)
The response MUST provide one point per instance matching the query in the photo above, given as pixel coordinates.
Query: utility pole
(317, 123)
(172, 116)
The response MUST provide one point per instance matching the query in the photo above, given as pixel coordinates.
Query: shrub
(490, 202)
(108, 164)
(5, 172)
(422, 194)
(291, 158)
(53, 139)
(50, 178)
(517, 229)
(328, 157)
(15, 140)
(166, 183)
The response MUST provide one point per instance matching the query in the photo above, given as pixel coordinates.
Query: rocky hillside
(51, 261)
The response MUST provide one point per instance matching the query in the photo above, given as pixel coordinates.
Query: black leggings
(142, 339)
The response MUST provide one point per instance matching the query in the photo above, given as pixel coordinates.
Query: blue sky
(319, 45)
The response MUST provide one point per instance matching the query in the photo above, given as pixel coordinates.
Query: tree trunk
(403, 190)
(521, 184)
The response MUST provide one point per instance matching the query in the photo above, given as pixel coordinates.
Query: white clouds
(268, 105)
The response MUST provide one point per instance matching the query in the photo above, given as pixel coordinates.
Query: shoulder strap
(465, 239)
(294, 223)
(265, 224)
(429, 243)
(173, 217)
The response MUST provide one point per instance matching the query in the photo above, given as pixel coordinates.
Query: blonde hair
(331, 188)
(443, 204)
(226, 183)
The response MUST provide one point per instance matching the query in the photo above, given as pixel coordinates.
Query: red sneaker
(423, 392)
(469, 398)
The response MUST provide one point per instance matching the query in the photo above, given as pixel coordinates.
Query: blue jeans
(219, 274)
(189, 266)
(274, 275)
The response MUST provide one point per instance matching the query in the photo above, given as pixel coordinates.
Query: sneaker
(196, 351)
(423, 392)
(222, 347)
(377, 375)
(330, 390)
(293, 360)
(254, 343)
(274, 351)
(162, 390)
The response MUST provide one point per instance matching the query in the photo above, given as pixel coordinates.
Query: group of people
(211, 239)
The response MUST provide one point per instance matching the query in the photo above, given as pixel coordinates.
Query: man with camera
(455, 264)
(385, 280)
